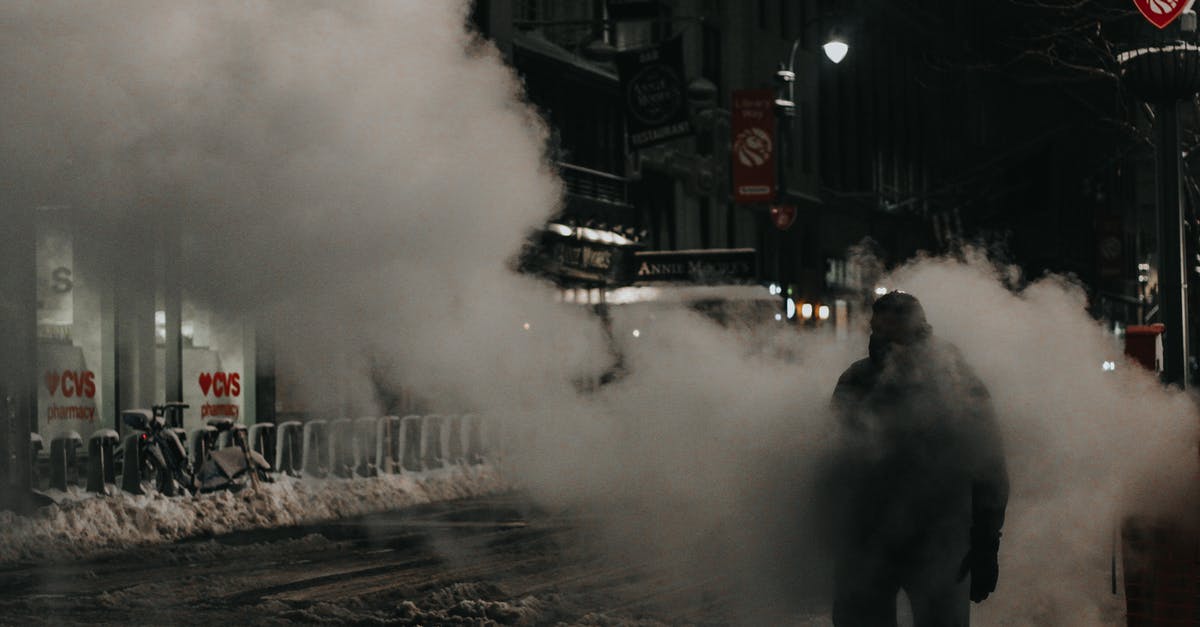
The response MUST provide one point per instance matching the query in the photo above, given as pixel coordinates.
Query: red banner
(753, 146)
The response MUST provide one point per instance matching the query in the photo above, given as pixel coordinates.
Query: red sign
(1162, 12)
(784, 216)
(753, 146)
(221, 383)
(71, 383)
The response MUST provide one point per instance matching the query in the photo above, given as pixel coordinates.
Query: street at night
(491, 560)
(862, 313)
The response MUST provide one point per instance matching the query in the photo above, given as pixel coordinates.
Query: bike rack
(102, 467)
(314, 458)
(341, 447)
(36, 445)
(453, 440)
(365, 446)
(225, 439)
(389, 445)
(289, 437)
(432, 453)
(131, 464)
(261, 438)
(199, 442)
(63, 457)
(181, 434)
(475, 449)
(411, 437)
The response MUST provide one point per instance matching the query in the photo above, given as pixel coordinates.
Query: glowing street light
(836, 50)
(823, 312)
(806, 311)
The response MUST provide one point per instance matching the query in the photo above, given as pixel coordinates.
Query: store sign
(753, 155)
(69, 395)
(571, 258)
(1162, 12)
(698, 266)
(221, 386)
(655, 93)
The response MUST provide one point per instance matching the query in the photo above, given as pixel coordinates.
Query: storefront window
(215, 380)
(72, 395)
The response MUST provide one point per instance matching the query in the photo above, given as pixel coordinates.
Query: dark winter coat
(922, 469)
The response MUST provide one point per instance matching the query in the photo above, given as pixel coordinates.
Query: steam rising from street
(360, 176)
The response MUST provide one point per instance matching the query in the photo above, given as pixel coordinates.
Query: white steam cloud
(360, 174)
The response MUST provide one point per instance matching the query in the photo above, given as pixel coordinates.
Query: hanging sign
(1162, 12)
(753, 155)
(655, 93)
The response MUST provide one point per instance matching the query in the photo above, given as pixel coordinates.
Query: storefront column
(249, 373)
(18, 348)
(135, 321)
(172, 292)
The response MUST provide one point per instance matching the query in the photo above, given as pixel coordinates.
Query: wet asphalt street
(478, 562)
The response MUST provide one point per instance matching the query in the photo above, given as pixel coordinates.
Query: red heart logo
(205, 382)
(52, 382)
(1161, 12)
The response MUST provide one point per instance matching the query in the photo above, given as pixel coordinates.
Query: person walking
(921, 480)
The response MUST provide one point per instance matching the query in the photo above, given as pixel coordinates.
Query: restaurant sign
(736, 265)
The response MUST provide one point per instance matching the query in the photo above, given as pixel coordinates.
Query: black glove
(981, 563)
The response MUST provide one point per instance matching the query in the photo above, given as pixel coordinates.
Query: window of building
(216, 380)
(72, 353)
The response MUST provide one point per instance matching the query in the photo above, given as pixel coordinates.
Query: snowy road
(466, 562)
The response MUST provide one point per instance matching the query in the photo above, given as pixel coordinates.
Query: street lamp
(785, 107)
(835, 49)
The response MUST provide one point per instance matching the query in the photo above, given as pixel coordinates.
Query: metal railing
(594, 184)
(347, 449)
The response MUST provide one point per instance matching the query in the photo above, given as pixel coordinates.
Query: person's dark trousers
(865, 593)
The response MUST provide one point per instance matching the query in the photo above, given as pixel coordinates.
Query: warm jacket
(922, 467)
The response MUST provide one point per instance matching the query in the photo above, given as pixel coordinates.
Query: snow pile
(77, 527)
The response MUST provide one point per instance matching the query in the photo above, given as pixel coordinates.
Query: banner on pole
(753, 155)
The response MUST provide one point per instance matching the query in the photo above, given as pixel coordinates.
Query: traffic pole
(1172, 282)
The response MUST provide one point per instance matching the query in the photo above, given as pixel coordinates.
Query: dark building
(948, 123)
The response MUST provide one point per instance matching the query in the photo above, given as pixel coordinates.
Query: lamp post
(835, 49)
(1163, 69)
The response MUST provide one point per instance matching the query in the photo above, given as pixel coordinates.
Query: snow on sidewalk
(79, 525)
